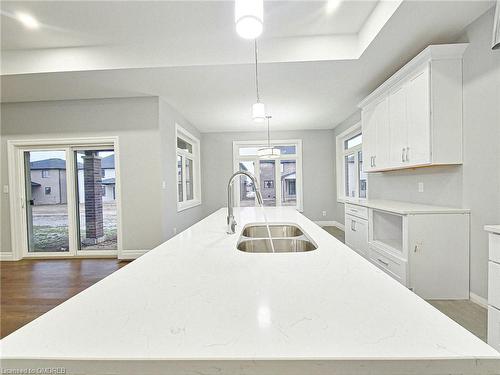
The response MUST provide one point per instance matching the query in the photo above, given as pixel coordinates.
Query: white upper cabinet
(415, 117)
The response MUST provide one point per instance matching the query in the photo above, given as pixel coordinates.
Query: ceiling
(316, 65)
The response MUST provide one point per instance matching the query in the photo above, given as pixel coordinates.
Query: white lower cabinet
(494, 286)
(428, 252)
(356, 234)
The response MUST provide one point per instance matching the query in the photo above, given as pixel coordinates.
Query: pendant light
(249, 18)
(268, 152)
(258, 109)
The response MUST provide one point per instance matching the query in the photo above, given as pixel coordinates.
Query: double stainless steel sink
(286, 238)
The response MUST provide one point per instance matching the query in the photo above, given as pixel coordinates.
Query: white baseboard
(131, 254)
(5, 256)
(478, 300)
(331, 223)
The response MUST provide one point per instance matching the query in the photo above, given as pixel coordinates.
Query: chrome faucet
(231, 223)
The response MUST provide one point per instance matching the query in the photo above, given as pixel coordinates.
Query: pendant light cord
(256, 72)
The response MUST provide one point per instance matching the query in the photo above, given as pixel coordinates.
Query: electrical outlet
(324, 213)
(420, 187)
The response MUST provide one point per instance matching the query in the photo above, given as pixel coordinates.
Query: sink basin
(277, 231)
(281, 245)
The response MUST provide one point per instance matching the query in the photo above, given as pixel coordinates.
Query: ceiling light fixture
(28, 20)
(258, 109)
(269, 152)
(249, 18)
(332, 5)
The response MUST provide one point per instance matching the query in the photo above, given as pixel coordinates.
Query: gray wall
(145, 127)
(317, 165)
(475, 184)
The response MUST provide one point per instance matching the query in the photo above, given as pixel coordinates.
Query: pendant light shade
(258, 112)
(269, 152)
(249, 18)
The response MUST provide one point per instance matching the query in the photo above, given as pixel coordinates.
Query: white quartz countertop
(195, 304)
(492, 228)
(405, 208)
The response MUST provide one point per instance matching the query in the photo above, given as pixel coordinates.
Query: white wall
(145, 128)
(317, 165)
(475, 184)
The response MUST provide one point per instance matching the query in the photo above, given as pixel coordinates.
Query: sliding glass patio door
(69, 204)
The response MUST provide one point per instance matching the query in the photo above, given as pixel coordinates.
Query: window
(280, 179)
(45, 174)
(48, 190)
(351, 180)
(188, 169)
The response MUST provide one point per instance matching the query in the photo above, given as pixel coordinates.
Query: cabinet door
(369, 129)
(398, 127)
(419, 116)
(382, 155)
(356, 234)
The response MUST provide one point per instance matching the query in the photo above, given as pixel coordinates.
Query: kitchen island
(197, 305)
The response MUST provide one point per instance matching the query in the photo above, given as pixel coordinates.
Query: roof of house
(107, 162)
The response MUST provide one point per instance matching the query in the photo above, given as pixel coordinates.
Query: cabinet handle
(353, 226)
(415, 248)
(374, 161)
(371, 161)
(403, 154)
(384, 263)
(407, 153)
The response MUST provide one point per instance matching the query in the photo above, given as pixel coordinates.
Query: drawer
(358, 211)
(494, 284)
(356, 234)
(494, 327)
(494, 245)
(388, 263)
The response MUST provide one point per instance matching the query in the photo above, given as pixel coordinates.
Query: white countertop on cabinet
(405, 208)
(195, 304)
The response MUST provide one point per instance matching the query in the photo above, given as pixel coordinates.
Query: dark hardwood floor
(30, 288)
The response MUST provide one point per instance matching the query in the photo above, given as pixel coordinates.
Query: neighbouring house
(267, 182)
(48, 181)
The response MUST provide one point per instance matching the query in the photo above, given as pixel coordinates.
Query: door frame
(17, 198)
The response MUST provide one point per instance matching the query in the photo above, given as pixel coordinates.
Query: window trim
(194, 156)
(340, 164)
(262, 143)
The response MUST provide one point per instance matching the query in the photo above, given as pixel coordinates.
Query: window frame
(45, 173)
(297, 157)
(194, 156)
(341, 153)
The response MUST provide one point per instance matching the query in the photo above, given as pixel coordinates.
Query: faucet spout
(231, 222)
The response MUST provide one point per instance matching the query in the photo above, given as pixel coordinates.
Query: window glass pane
(352, 142)
(267, 183)
(362, 176)
(46, 194)
(287, 150)
(183, 145)
(189, 180)
(247, 192)
(96, 199)
(350, 176)
(179, 179)
(288, 183)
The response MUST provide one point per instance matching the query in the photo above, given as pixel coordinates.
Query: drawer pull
(384, 263)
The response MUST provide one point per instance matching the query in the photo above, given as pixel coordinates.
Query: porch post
(93, 198)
